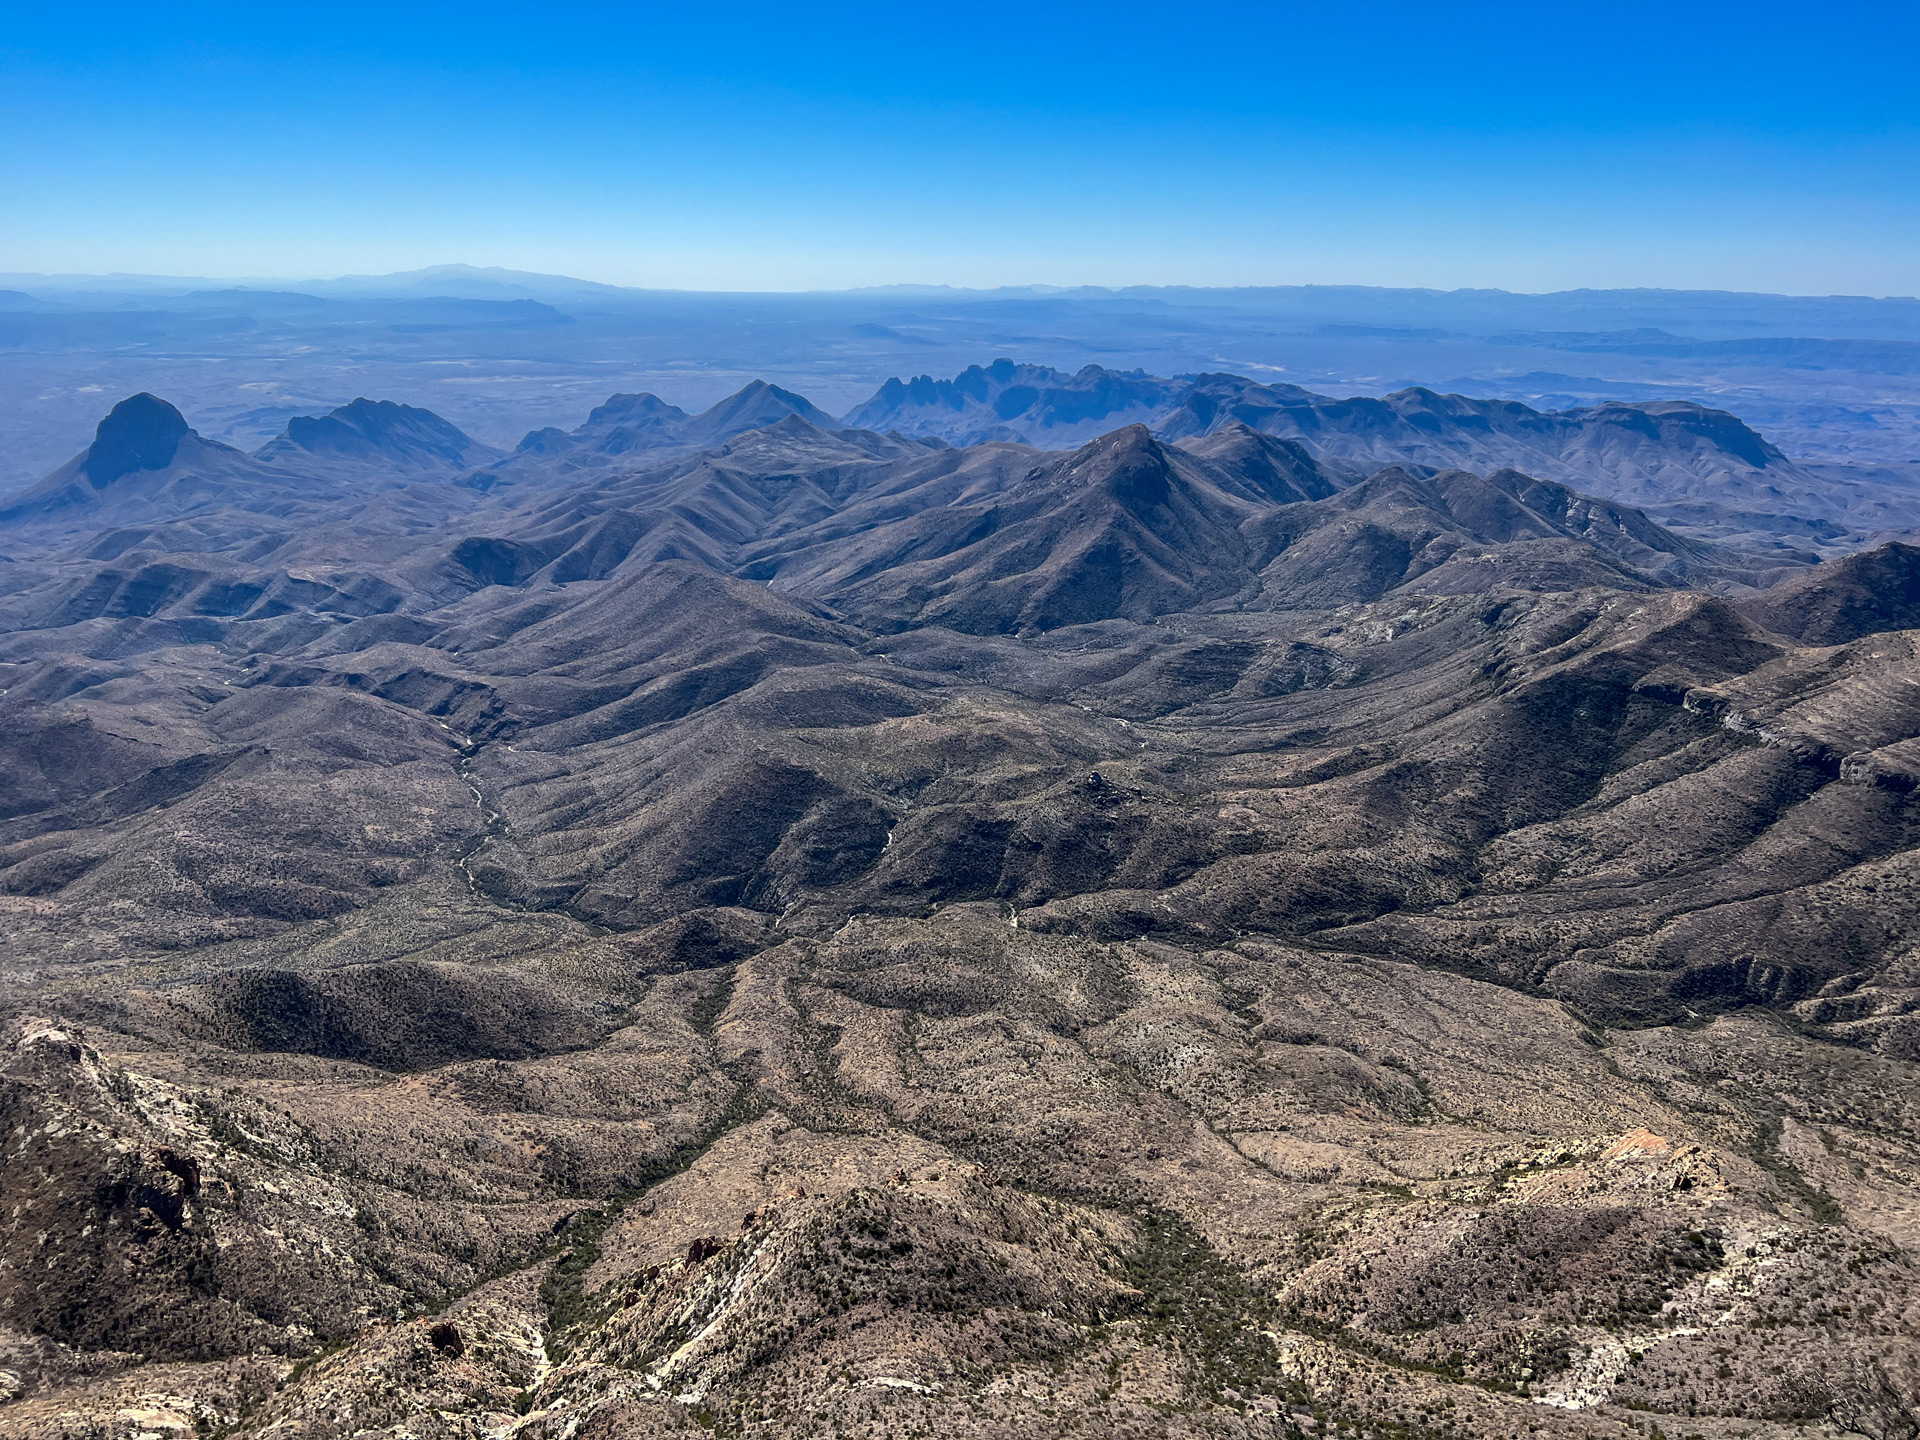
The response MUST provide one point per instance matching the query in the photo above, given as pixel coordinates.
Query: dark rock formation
(142, 432)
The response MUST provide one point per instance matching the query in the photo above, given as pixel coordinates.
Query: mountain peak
(380, 430)
(627, 408)
(751, 407)
(792, 424)
(1134, 467)
(142, 432)
(1005, 401)
(1113, 456)
(760, 392)
(1277, 470)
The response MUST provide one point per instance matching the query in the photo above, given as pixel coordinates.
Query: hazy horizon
(92, 280)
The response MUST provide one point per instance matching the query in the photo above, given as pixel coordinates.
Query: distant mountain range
(899, 529)
(1699, 471)
(1636, 315)
(476, 282)
(498, 353)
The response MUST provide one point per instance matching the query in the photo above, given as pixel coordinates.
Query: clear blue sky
(750, 146)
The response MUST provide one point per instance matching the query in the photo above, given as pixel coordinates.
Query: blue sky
(751, 146)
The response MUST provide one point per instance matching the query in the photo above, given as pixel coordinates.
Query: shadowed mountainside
(1854, 597)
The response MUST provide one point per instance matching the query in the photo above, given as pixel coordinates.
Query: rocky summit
(1078, 905)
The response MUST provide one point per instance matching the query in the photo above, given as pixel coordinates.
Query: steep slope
(1845, 599)
(1122, 527)
(145, 453)
(148, 476)
(1279, 471)
(142, 432)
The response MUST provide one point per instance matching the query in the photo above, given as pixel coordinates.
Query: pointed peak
(1129, 463)
(1128, 447)
(791, 426)
(1274, 469)
(1236, 437)
(1390, 477)
(1238, 441)
(760, 391)
(142, 432)
(1237, 432)
(1127, 440)
(753, 406)
(793, 423)
(548, 441)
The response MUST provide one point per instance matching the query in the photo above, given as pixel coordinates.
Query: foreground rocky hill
(814, 931)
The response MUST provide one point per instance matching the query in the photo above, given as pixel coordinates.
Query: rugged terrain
(736, 923)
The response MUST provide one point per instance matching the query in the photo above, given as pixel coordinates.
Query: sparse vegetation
(842, 936)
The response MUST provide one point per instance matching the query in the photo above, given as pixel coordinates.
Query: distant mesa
(381, 431)
(635, 409)
(142, 432)
(473, 282)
